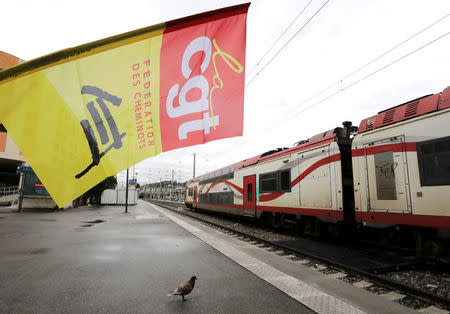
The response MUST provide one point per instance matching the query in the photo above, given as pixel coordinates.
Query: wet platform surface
(105, 261)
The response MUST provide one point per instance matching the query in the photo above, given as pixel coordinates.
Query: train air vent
(411, 109)
(389, 116)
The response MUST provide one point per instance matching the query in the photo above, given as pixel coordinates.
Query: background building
(34, 193)
(10, 156)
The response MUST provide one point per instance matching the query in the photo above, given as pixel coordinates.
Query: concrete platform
(65, 262)
(59, 262)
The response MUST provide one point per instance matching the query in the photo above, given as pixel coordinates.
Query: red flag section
(202, 78)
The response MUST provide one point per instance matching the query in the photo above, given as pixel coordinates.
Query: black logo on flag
(102, 96)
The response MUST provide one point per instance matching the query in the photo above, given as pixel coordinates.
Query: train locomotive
(392, 173)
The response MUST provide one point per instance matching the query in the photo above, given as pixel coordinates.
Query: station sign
(24, 170)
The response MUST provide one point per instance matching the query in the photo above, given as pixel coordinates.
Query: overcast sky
(341, 38)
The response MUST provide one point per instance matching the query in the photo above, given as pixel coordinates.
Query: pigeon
(184, 289)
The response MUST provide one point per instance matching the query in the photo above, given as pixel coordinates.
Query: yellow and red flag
(88, 112)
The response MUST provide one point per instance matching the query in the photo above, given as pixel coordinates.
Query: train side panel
(223, 196)
(402, 172)
(305, 180)
(315, 183)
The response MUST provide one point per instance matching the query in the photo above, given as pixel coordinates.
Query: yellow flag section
(87, 118)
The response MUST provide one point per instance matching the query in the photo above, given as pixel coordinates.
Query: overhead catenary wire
(287, 43)
(367, 64)
(396, 46)
(363, 66)
(341, 90)
(278, 39)
(362, 79)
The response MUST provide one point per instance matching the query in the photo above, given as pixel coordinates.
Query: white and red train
(394, 170)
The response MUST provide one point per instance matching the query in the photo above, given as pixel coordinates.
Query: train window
(434, 161)
(250, 192)
(221, 198)
(285, 180)
(273, 182)
(268, 182)
(385, 175)
(191, 192)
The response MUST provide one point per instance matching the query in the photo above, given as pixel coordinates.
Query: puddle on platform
(34, 219)
(40, 251)
(15, 252)
(98, 221)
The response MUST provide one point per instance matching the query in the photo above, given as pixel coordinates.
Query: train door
(387, 176)
(250, 193)
(195, 195)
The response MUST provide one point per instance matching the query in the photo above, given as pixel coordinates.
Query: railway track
(374, 274)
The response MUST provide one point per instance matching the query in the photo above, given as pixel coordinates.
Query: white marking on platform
(313, 298)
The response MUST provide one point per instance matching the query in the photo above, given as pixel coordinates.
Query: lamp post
(193, 172)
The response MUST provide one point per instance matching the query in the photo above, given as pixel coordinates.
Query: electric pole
(194, 167)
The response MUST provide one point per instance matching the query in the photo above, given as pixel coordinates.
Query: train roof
(411, 109)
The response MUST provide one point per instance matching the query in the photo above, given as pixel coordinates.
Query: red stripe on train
(325, 213)
(240, 190)
(442, 222)
(398, 147)
(314, 166)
